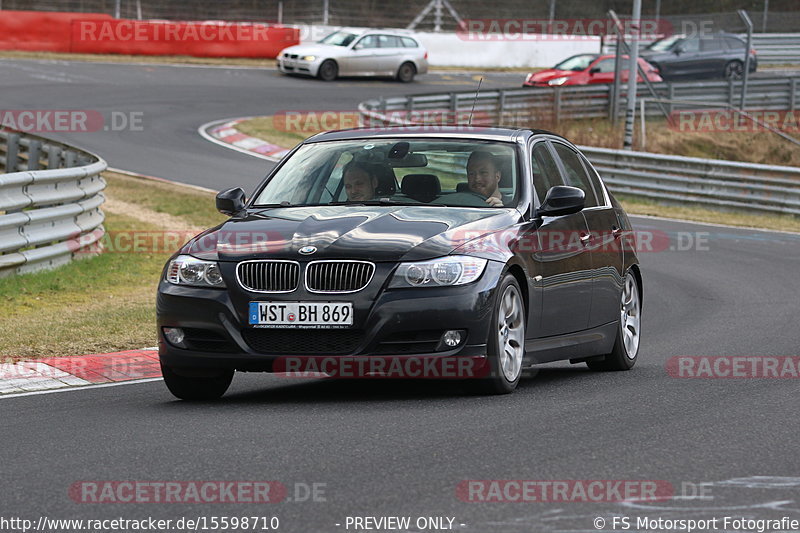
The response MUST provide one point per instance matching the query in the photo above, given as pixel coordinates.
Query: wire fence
(683, 15)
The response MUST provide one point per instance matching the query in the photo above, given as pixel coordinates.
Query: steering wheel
(464, 198)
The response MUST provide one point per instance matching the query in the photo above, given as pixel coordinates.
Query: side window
(408, 42)
(709, 44)
(605, 65)
(370, 41)
(734, 43)
(545, 170)
(594, 179)
(690, 45)
(576, 175)
(389, 41)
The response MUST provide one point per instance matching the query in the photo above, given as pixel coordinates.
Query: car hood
(551, 73)
(380, 233)
(313, 49)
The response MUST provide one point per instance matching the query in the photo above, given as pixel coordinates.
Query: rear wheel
(506, 343)
(626, 346)
(328, 70)
(406, 72)
(206, 386)
(734, 70)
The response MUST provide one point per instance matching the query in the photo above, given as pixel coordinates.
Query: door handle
(616, 231)
(585, 238)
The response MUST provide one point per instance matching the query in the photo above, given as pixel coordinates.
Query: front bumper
(396, 324)
(299, 66)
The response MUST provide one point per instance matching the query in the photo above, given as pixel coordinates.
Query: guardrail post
(34, 153)
(557, 103)
(501, 107)
(53, 156)
(670, 97)
(70, 158)
(730, 92)
(12, 152)
(792, 93)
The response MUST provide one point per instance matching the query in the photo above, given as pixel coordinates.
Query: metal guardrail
(50, 197)
(525, 107)
(710, 182)
(772, 49)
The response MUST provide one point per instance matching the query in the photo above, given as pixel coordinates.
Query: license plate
(301, 314)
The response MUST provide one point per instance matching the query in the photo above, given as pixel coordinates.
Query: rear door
(390, 52)
(363, 58)
(713, 56)
(559, 257)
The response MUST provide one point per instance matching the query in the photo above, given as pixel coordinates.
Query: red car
(585, 69)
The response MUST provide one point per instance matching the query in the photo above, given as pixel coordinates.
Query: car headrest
(421, 187)
(462, 187)
(387, 183)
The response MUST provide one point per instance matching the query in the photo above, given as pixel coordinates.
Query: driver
(483, 177)
(359, 182)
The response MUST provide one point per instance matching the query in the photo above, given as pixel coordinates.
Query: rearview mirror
(561, 200)
(230, 201)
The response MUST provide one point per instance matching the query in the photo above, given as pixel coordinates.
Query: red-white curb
(225, 133)
(60, 372)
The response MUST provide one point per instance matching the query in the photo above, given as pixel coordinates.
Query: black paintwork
(572, 284)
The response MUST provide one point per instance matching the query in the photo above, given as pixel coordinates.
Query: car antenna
(475, 100)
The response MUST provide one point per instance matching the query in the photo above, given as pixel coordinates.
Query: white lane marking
(9, 61)
(85, 387)
(711, 224)
(205, 135)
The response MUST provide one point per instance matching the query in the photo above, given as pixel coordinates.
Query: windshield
(396, 172)
(662, 45)
(339, 38)
(576, 63)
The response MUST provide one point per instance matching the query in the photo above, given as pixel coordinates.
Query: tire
(406, 72)
(626, 346)
(328, 70)
(506, 342)
(197, 388)
(734, 70)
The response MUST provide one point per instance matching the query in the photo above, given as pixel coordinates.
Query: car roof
(433, 132)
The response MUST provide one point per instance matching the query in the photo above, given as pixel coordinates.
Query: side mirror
(678, 50)
(230, 201)
(561, 200)
(594, 70)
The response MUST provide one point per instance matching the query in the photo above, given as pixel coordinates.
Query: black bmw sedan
(466, 253)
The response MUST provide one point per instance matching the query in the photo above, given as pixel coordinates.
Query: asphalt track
(401, 448)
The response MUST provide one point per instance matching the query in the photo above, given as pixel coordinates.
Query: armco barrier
(527, 106)
(50, 198)
(689, 180)
(95, 33)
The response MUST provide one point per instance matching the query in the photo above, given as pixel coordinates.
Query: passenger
(483, 177)
(359, 182)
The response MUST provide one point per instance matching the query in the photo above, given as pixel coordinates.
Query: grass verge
(751, 147)
(104, 303)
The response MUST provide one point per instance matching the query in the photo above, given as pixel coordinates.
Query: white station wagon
(357, 53)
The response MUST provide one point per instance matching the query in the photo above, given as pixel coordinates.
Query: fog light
(174, 336)
(452, 338)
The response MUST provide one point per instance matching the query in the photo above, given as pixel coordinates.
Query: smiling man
(483, 177)
(359, 182)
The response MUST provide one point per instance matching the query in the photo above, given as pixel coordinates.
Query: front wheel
(626, 346)
(210, 386)
(328, 70)
(406, 72)
(506, 343)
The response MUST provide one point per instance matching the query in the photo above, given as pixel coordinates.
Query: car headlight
(442, 272)
(188, 270)
(308, 58)
(558, 81)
